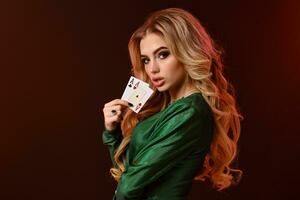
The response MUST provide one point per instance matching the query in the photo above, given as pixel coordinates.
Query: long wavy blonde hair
(193, 47)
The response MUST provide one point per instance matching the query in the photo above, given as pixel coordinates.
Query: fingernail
(130, 104)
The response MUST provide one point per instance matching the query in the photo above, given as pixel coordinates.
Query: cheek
(173, 69)
(145, 69)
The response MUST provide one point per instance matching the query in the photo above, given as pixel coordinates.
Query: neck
(182, 92)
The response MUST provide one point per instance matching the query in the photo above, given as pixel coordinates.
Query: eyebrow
(159, 48)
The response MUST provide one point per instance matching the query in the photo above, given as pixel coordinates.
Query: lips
(157, 82)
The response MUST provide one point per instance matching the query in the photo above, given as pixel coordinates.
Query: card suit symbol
(138, 106)
(136, 85)
(130, 83)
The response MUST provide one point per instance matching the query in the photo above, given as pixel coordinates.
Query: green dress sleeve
(112, 139)
(177, 134)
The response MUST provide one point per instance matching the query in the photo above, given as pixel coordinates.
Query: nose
(154, 66)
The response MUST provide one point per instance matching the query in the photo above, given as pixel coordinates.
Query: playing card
(136, 92)
(131, 85)
(139, 97)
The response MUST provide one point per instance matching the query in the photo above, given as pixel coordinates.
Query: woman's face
(164, 70)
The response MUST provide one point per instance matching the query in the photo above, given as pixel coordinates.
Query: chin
(162, 88)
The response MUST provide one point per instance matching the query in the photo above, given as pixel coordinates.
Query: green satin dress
(165, 152)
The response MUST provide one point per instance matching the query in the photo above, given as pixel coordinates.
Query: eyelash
(164, 53)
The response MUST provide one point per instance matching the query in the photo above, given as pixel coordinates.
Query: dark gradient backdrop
(61, 60)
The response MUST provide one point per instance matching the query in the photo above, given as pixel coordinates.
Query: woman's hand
(113, 112)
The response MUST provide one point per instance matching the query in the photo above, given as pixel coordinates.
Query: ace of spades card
(131, 85)
(137, 92)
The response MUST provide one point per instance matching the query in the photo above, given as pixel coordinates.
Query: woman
(189, 128)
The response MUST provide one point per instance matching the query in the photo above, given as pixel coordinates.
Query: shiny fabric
(165, 152)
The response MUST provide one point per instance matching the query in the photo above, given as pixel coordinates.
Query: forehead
(150, 43)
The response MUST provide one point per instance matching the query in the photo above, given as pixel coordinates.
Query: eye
(145, 61)
(163, 54)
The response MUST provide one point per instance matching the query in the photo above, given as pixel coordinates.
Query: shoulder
(187, 116)
(194, 104)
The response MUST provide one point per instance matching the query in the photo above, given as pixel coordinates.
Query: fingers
(114, 118)
(115, 107)
(113, 112)
(118, 102)
(110, 123)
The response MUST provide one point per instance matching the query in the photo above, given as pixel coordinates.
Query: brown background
(61, 60)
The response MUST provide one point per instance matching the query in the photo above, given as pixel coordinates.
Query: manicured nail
(130, 104)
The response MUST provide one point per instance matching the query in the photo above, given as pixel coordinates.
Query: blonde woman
(189, 128)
